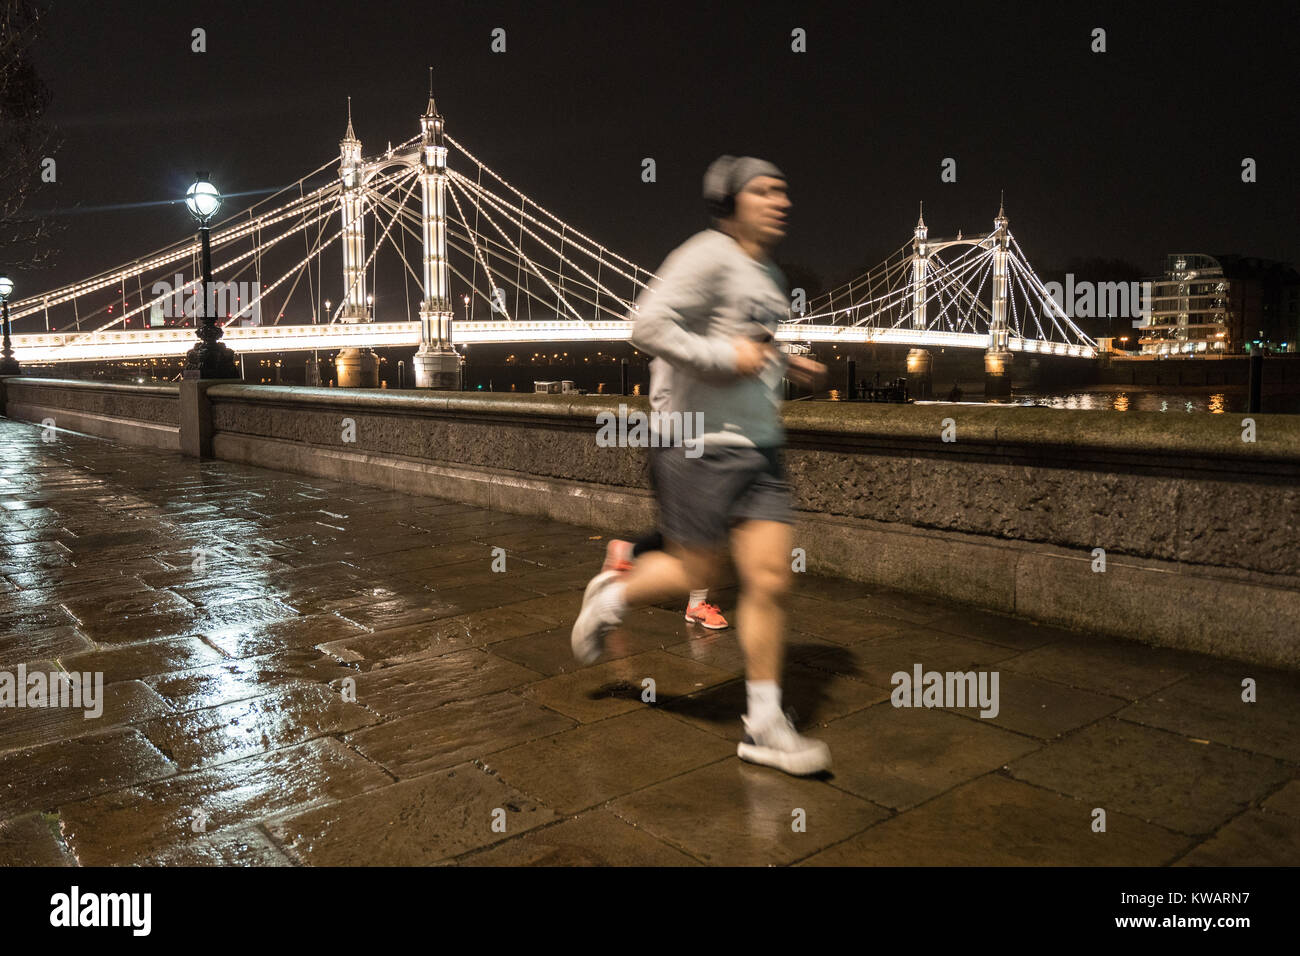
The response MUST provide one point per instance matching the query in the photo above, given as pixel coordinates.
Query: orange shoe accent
(618, 556)
(707, 615)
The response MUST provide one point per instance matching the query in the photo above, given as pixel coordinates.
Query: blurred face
(761, 210)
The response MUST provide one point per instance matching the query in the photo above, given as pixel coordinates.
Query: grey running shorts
(701, 498)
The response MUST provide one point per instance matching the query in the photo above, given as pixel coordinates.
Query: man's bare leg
(677, 570)
(761, 552)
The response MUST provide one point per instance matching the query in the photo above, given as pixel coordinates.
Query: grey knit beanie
(726, 176)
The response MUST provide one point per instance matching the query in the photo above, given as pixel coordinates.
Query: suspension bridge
(518, 272)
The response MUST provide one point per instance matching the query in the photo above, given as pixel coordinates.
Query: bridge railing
(88, 346)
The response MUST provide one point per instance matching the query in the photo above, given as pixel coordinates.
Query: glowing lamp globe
(203, 200)
(6, 286)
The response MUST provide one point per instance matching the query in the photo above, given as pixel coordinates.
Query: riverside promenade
(301, 671)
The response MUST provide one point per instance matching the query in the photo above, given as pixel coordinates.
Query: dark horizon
(1124, 155)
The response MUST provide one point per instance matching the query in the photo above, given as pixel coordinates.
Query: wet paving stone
(254, 725)
(132, 661)
(402, 611)
(278, 635)
(455, 732)
(1210, 707)
(327, 598)
(81, 578)
(619, 686)
(550, 652)
(595, 838)
(40, 618)
(556, 609)
(422, 685)
(1039, 708)
(424, 558)
(874, 661)
(900, 606)
(126, 702)
(994, 821)
(1153, 775)
(1256, 838)
(24, 648)
(616, 756)
(108, 590)
(722, 648)
(831, 589)
(142, 822)
(140, 616)
(235, 590)
(43, 778)
(32, 841)
(412, 823)
(1286, 800)
(433, 638)
(999, 629)
(900, 757)
(775, 819)
(201, 687)
(225, 680)
(813, 697)
(1115, 668)
(243, 847)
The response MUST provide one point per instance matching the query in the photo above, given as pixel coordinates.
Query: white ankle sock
(697, 597)
(764, 698)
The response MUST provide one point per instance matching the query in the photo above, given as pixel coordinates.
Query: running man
(619, 554)
(713, 314)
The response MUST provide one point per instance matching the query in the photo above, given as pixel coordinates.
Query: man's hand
(806, 373)
(752, 357)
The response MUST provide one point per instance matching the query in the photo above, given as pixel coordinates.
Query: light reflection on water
(1139, 399)
(1136, 400)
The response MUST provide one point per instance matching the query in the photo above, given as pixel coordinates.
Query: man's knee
(770, 581)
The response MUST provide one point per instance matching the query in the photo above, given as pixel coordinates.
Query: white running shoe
(777, 745)
(589, 630)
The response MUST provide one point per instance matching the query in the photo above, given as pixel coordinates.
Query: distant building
(1220, 304)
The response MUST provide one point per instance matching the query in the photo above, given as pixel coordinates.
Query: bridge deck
(225, 737)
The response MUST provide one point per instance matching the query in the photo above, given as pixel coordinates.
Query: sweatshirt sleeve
(683, 295)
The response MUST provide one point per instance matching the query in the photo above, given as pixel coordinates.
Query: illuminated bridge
(480, 262)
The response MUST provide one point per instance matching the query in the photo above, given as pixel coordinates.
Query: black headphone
(718, 197)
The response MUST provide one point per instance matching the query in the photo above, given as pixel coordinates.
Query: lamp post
(8, 364)
(211, 358)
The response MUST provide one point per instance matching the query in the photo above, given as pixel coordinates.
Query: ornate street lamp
(8, 364)
(211, 358)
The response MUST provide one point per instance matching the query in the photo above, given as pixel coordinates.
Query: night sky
(1128, 154)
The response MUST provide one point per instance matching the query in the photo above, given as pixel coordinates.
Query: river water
(1181, 400)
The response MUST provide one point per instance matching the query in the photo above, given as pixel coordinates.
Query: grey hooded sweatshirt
(708, 292)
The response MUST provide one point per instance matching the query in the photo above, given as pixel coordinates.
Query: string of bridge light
(468, 155)
(505, 209)
(321, 202)
(467, 236)
(523, 256)
(164, 256)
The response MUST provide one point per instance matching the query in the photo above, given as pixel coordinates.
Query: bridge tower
(919, 361)
(997, 358)
(357, 368)
(436, 363)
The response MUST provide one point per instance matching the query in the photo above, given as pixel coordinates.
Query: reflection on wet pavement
(298, 671)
